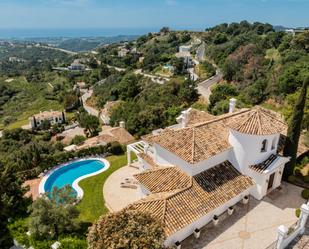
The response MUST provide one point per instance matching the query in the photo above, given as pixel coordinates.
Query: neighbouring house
(76, 65)
(194, 171)
(184, 48)
(184, 52)
(123, 52)
(54, 117)
(16, 59)
(108, 135)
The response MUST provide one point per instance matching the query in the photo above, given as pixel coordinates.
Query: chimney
(122, 124)
(185, 118)
(232, 105)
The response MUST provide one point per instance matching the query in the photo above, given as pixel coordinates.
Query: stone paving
(33, 185)
(251, 226)
(116, 197)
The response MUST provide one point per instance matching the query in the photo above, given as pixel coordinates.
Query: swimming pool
(71, 173)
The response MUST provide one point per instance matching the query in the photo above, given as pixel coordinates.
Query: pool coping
(77, 188)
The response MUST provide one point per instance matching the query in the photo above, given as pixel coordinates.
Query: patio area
(117, 197)
(33, 190)
(251, 226)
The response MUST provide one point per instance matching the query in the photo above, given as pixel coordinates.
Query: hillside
(259, 66)
(20, 99)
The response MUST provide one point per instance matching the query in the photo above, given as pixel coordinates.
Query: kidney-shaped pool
(71, 173)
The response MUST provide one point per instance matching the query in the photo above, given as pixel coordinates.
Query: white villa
(184, 52)
(193, 172)
(54, 117)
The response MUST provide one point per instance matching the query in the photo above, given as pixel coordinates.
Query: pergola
(137, 148)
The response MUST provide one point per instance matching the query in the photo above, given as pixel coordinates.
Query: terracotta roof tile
(258, 121)
(193, 144)
(121, 135)
(166, 179)
(196, 117)
(201, 141)
(181, 206)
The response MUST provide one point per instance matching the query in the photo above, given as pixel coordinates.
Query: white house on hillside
(206, 164)
(54, 117)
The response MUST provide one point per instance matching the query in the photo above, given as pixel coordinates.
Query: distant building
(184, 49)
(108, 135)
(294, 31)
(184, 52)
(16, 59)
(76, 66)
(54, 117)
(123, 52)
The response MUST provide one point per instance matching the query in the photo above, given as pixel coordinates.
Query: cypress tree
(294, 129)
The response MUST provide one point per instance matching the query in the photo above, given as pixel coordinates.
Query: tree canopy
(54, 214)
(126, 229)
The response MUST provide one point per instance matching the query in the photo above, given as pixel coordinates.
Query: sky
(177, 14)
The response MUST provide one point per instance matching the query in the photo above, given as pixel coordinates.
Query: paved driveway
(252, 226)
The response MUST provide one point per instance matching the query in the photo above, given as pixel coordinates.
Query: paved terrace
(116, 197)
(251, 226)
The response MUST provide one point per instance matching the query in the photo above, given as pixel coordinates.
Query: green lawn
(92, 205)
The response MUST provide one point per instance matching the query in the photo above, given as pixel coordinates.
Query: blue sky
(178, 14)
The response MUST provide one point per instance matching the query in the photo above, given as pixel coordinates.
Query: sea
(71, 32)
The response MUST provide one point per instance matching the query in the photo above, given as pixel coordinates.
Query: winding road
(88, 108)
(204, 88)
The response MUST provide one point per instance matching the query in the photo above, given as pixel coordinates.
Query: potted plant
(245, 200)
(230, 210)
(178, 245)
(215, 220)
(197, 233)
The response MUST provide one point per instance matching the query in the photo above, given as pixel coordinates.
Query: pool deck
(116, 197)
(33, 185)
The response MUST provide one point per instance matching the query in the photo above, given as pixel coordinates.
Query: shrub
(305, 194)
(297, 212)
(116, 148)
(59, 146)
(291, 178)
(306, 179)
(73, 243)
(18, 230)
(78, 139)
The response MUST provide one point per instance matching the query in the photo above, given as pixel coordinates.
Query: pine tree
(294, 129)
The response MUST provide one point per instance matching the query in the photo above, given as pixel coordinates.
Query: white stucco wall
(261, 180)
(187, 231)
(247, 149)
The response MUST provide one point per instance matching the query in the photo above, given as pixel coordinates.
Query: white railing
(286, 236)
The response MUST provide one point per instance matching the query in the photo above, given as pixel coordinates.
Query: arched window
(274, 143)
(264, 146)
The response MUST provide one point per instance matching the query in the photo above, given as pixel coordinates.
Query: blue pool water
(69, 173)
